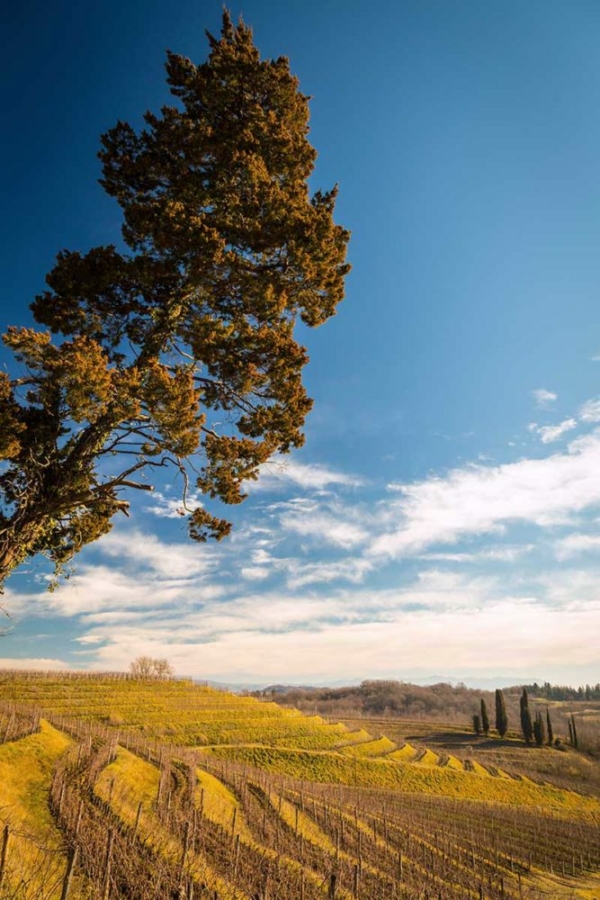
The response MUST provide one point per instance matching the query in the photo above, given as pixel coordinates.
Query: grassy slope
(285, 741)
(243, 730)
(129, 781)
(334, 768)
(25, 776)
(564, 768)
(174, 711)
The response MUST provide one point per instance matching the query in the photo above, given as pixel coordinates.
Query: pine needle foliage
(178, 350)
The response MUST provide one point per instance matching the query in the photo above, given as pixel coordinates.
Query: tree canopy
(147, 667)
(176, 348)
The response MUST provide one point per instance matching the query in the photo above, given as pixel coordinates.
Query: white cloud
(590, 411)
(172, 507)
(254, 573)
(39, 663)
(213, 613)
(543, 397)
(502, 553)
(441, 621)
(575, 544)
(550, 433)
(574, 590)
(281, 472)
(326, 528)
(96, 589)
(168, 560)
(353, 570)
(484, 499)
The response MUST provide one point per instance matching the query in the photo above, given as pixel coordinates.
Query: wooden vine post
(5, 837)
(72, 860)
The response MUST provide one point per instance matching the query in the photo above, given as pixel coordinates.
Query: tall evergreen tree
(526, 724)
(485, 720)
(549, 727)
(476, 724)
(539, 730)
(501, 716)
(179, 350)
(575, 740)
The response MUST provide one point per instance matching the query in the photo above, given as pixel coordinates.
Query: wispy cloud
(254, 573)
(484, 499)
(354, 633)
(544, 398)
(34, 662)
(324, 527)
(297, 590)
(551, 433)
(502, 553)
(172, 560)
(352, 570)
(281, 472)
(172, 507)
(590, 411)
(576, 544)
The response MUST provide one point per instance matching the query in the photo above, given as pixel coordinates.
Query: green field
(165, 789)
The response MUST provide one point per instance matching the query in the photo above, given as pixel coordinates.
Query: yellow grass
(354, 737)
(306, 826)
(129, 781)
(219, 804)
(581, 887)
(34, 853)
(429, 758)
(403, 754)
(371, 748)
(335, 768)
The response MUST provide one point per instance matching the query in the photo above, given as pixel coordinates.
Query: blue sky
(444, 515)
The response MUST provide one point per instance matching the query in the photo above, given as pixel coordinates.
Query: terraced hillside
(174, 710)
(163, 789)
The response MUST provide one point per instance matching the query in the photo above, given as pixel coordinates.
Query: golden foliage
(182, 346)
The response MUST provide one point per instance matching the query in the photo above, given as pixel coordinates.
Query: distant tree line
(564, 692)
(495, 711)
(380, 698)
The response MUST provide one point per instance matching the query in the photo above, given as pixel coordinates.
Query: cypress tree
(501, 717)
(549, 728)
(575, 740)
(539, 730)
(571, 737)
(526, 725)
(476, 724)
(485, 721)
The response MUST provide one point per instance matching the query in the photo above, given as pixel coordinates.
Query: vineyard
(112, 787)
